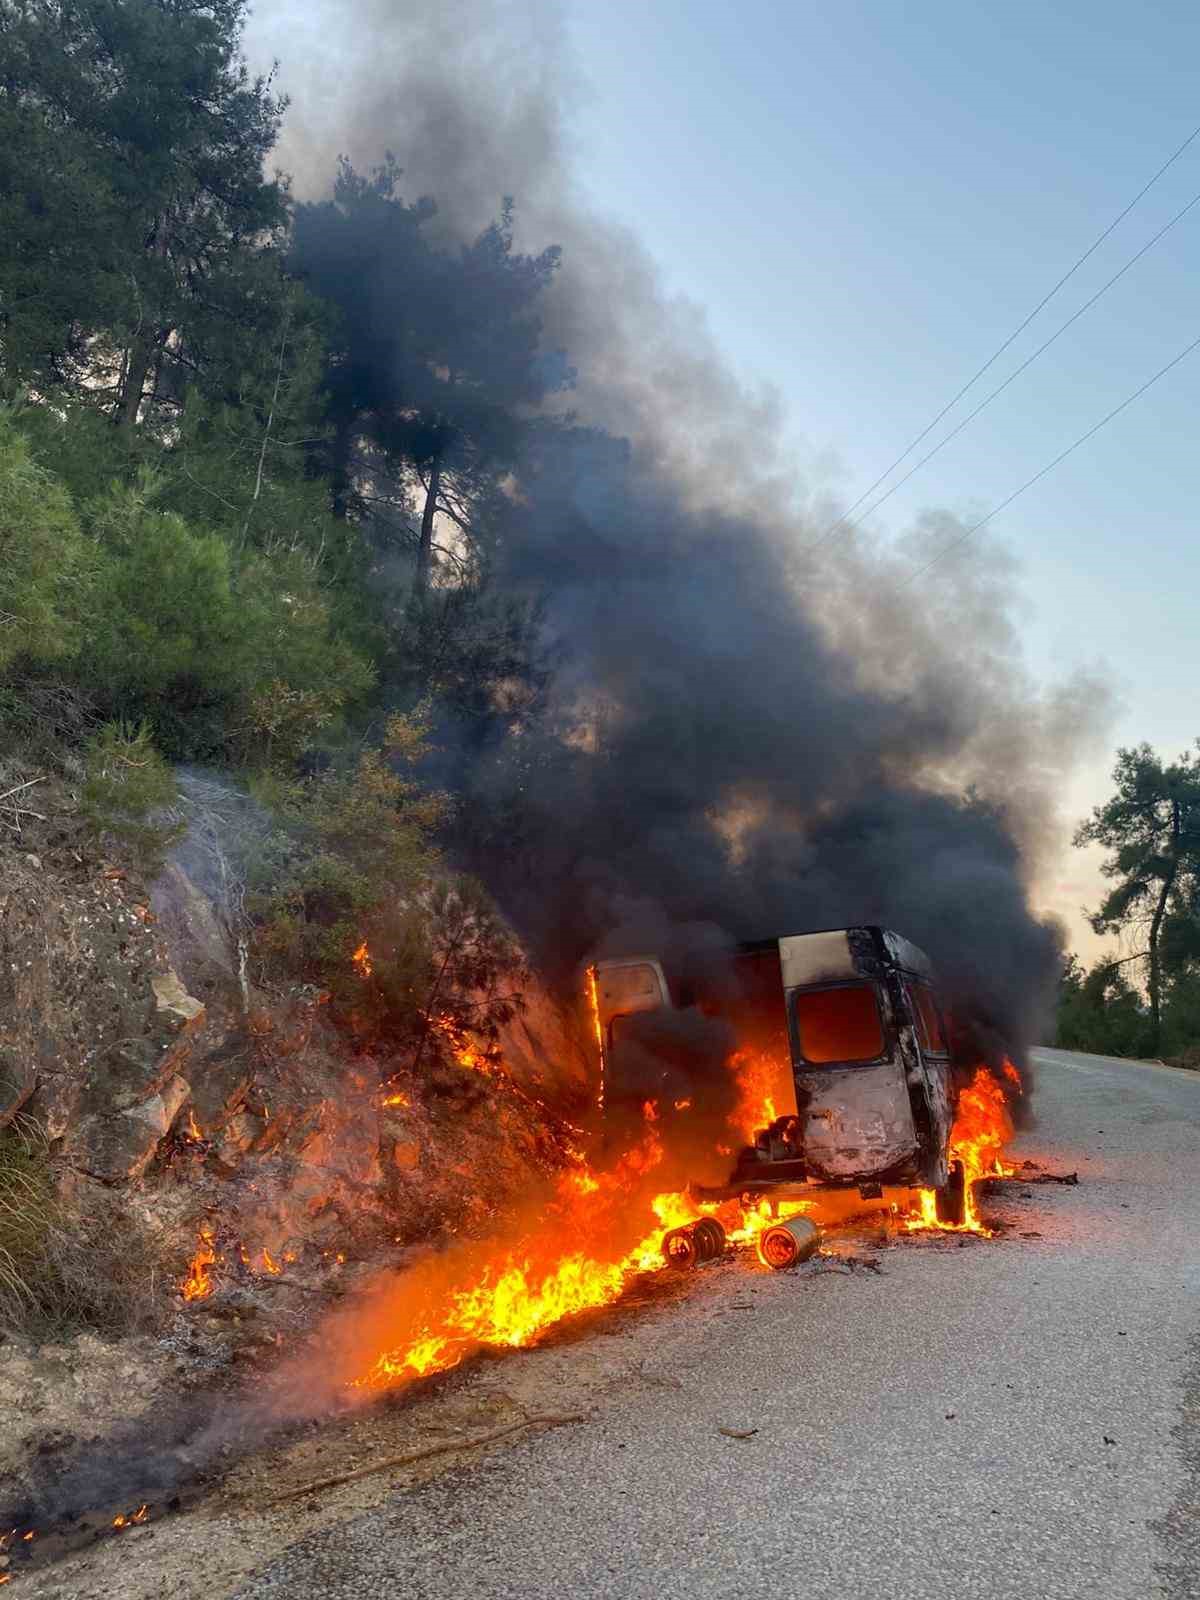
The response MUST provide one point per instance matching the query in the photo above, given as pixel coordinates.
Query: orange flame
(580, 1246)
(505, 1294)
(594, 1005)
(362, 960)
(489, 1294)
(465, 1053)
(764, 1085)
(140, 1515)
(198, 1284)
(982, 1128)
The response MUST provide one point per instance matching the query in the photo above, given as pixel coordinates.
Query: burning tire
(951, 1198)
(696, 1242)
(786, 1244)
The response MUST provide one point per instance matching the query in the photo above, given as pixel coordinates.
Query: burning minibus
(842, 1028)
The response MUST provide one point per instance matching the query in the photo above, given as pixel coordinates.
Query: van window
(929, 1023)
(841, 1024)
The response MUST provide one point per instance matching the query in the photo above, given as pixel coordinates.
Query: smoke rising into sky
(762, 736)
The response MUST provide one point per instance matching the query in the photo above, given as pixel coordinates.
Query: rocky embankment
(255, 1160)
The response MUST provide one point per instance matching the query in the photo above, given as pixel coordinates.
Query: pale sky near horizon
(868, 198)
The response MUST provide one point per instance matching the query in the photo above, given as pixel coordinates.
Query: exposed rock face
(91, 1010)
(115, 1146)
(162, 1077)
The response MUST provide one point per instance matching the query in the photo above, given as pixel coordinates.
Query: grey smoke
(745, 734)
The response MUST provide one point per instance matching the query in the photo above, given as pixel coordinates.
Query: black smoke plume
(742, 734)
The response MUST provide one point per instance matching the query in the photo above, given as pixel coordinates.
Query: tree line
(1150, 828)
(256, 464)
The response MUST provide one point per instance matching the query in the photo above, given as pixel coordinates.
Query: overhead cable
(1050, 466)
(1015, 334)
(1028, 362)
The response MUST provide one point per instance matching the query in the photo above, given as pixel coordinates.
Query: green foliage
(225, 654)
(136, 223)
(45, 568)
(1151, 827)
(1103, 1012)
(227, 575)
(1100, 1012)
(127, 788)
(435, 357)
(348, 861)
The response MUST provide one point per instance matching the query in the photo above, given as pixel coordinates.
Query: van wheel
(951, 1199)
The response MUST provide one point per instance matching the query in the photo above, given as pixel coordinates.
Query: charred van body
(845, 1022)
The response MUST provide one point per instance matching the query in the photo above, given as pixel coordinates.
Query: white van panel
(815, 957)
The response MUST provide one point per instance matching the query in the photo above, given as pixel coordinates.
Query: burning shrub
(348, 893)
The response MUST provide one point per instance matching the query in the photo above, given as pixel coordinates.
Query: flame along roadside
(507, 1292)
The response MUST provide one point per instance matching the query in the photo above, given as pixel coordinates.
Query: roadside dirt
(243, 1520)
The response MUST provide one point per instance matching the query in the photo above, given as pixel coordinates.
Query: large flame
(765, 1088)
(505, 1293)
(982, 1128)
(580, 1244)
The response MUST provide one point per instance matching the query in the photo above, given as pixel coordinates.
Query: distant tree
(1100, 1011)
(137, 227)
(437, 361)
(1152, 827)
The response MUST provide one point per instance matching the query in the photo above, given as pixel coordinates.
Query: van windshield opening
(841, 1024)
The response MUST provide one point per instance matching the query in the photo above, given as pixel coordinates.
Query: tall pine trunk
(1156, 928)
(141, 350)
(425, 547)
(136, 369)
(342, 477)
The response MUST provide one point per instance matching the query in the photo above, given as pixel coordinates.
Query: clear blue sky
(868, 197)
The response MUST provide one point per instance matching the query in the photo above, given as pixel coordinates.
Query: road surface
(1017, 1418)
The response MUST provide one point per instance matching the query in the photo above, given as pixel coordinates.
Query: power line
(1050, 466)
(1028, 362)
(1015, 334)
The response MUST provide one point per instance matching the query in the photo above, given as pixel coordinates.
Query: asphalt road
(1016, 1418)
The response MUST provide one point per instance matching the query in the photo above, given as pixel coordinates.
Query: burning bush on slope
(348, 892)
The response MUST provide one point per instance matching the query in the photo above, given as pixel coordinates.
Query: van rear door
(855, 1110)
(621, 987)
